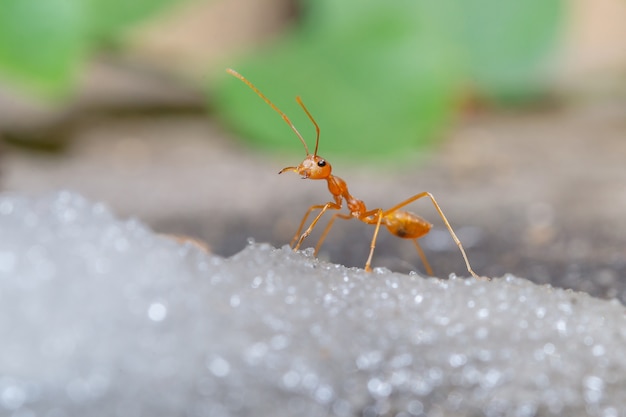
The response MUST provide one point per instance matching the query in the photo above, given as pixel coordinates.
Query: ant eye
(321, 163)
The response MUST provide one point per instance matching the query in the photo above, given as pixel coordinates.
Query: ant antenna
(272, 105)
(317, 128)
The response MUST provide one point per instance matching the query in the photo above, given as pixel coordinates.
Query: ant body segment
(400, 223)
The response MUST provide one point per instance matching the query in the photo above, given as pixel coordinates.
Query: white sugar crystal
(102, 317)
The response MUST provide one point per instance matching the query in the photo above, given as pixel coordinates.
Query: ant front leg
(330, 205)
(327, 229)
(306, 216)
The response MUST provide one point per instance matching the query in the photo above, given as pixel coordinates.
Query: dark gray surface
(540, 195)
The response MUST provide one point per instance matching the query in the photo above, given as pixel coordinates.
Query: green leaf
(506, 43)
(109, 17)
(42, 43)
(379, 77)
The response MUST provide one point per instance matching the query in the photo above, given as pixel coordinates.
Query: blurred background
(513, 114)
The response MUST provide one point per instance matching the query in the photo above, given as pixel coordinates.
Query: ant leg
(420, 251)
(445, 221)
(306, 216)
(327, 229)
(307, 232)
(379, 215)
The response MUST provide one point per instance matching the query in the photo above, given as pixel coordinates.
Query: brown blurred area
(539, 193)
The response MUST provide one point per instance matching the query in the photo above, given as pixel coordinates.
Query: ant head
(314, 167)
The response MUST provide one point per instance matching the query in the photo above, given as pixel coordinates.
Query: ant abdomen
(406, 225)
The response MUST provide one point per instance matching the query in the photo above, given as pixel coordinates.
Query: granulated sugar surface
(103, 317)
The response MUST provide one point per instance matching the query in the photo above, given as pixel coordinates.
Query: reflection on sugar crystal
(291, 379)
(101, 317)
(219, 367)
(8, 262)
(457, 360)
(12, 397)
(379, 388)
(157, 311)
(235, 300)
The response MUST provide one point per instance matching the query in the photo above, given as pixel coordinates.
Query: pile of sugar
(103, 317)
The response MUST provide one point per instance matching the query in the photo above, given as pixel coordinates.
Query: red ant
(400, 223)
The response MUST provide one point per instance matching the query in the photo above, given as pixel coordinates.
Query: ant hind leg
(445, 221)
(379, 216)
(420, 252)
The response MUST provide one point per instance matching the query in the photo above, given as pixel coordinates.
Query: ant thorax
(339, 189)
(356, 207)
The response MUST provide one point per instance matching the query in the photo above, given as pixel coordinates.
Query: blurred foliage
(505, 43)
(379, 77)
(44, 43)
(384, 77)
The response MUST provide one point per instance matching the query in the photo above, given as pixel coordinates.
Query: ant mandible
(400, 223)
